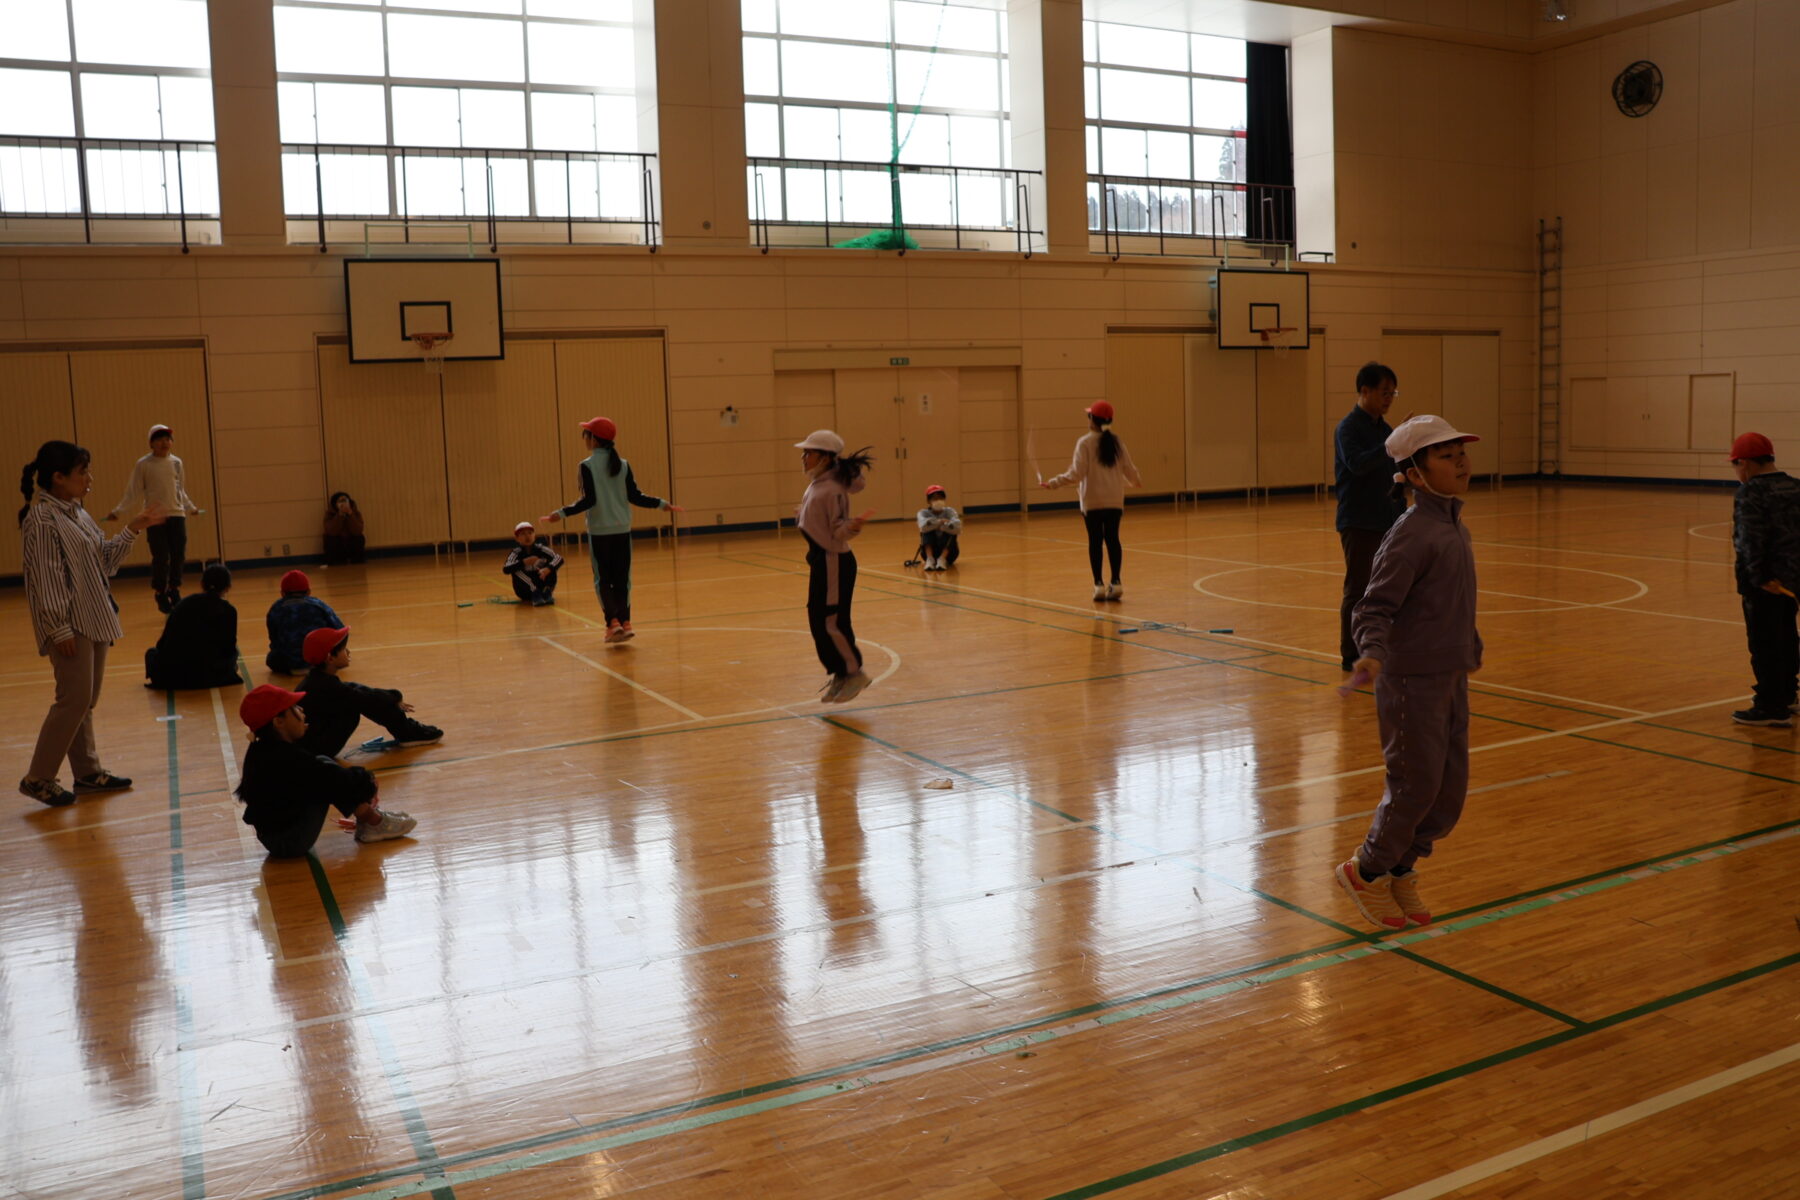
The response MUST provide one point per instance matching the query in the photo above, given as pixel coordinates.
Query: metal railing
(838, 197)
(108, 179)
(403, 185)
(1187, 212)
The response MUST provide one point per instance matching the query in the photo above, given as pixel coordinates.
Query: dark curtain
(1269, 152)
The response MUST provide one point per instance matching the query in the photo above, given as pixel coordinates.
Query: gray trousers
(1424, 722)
(68, 729)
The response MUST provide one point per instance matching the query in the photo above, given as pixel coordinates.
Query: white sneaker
(849, 687)
(393, 825)
(1114, 590)
(937, 564)
(1099, 591)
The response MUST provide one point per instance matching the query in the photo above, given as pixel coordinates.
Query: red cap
(602, 428)
(296, 581)
(263, 704)
(936, 489)
(1752, 445)
(1100, 409)
(321, 642)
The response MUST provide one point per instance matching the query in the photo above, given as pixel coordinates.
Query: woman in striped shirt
(67, 561)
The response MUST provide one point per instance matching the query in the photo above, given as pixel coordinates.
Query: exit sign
(899, 362)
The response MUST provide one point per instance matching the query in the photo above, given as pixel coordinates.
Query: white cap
(1416, 433)
(524, 525)
(822, 439)
(160, 428)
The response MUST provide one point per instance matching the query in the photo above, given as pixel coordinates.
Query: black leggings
(612, 574)
(168, 554)
(1103, 526)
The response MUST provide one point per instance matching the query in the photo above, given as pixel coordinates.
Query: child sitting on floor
(939, 526)
(198, 647)
(287, 789)
(334, 706)
(291, 618)
(533, 566)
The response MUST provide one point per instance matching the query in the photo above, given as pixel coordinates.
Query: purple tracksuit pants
(1424, 721)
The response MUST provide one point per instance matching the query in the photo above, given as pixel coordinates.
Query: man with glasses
(1366, 500)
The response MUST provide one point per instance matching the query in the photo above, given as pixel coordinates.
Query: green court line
(1412, 1087)
(410, 1113)
(1031, 1033)
(1484, 985)
(187, 1073)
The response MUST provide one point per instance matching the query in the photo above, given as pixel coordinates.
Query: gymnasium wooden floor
(670, 928)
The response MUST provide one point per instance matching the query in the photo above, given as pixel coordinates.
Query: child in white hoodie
(825, 522)
(1102, 467)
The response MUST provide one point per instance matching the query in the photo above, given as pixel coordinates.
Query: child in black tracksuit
(198, 647)
(335, 707)
(1765, 533)
(287, 789)
(532, 566)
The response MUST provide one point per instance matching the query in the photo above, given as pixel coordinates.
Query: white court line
(1576, 1135)
(1616, 606)
(1518, 741)
(624, 679)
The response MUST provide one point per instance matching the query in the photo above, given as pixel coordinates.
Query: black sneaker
(46, 791)
(1773, 717)
(101, 781)
(419, 735)
(162, 602)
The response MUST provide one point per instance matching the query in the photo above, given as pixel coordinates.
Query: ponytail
(612, 457)
(1108, 450)
(849, 467)
(53, 458)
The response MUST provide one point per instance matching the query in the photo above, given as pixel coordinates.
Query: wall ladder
(1549, 347)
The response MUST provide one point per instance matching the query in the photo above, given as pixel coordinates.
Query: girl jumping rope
(825, 522)
(1101, 468)
(607, 490)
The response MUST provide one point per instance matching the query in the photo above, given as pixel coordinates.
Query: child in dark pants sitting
(287, 789)
(532, 566)
(198, 647)
(334, 707)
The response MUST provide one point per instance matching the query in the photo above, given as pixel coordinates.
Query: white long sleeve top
(67, 561)
(824, 513)
(1100, 486)
(156, 480)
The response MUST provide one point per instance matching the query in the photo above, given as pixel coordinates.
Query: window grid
(399, 195)
(781, 102)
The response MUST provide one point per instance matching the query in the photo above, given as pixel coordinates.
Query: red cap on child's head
(936, 489)
(263, 704)
(321, 642)
(1100, 410)
(296, 581)
(1752, 445)
(602, 428)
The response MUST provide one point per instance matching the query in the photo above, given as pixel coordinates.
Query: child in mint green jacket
(608, 490)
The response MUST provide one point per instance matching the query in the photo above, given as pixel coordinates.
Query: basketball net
(1276, 338)
(434, 346)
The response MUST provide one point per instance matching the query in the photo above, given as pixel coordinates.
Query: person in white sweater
(1102, 469)
(825, 522)
(159, 479)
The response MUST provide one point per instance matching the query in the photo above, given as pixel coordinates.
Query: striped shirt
(66, 564)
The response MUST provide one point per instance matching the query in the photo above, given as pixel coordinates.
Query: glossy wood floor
(670, 928)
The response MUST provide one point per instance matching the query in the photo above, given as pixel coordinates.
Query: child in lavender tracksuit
(825, 522)
(1415, 632)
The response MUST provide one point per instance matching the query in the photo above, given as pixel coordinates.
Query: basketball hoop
(1275, 338)
(434, 346)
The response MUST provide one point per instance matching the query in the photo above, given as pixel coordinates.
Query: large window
(105, 109)
(446, 109)
(1165, 110)
(842, 97)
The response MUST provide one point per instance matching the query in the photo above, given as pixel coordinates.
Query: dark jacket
(334, 707)
(198, 647)
(1765, 531)
(539, 550)
(1365, 474)
(284, 783)
(290, 619)
(1418, 615)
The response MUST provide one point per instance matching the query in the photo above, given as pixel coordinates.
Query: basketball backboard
(1248, 304)
(389, 302)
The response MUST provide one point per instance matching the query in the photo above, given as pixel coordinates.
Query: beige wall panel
(37, 409)
(1221, 415)
(255, 411)
(293, 483)
(1145, 382)
(254, 449)
(1290, 435)
(264, 372)
(384, 444)
(1471, 389)
(621, 378)
(1418, 363)
(500, 439)
(118, 395)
